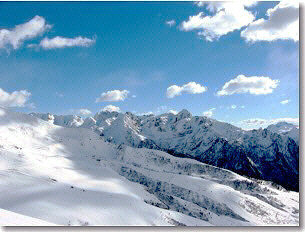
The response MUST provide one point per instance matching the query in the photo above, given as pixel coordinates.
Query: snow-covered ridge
(70, 176)
(267, 154)
(285, 128)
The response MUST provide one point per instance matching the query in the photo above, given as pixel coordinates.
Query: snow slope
(70, 176)
(263, 154)
(9, 218)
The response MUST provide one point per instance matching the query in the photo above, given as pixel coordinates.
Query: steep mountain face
(71, 176)
(261, 154)
(287, 129)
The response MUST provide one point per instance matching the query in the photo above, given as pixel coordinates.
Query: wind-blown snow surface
(267, 154)
(70, 176)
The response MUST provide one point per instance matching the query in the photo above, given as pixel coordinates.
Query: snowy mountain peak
(62, 120)
(286, 129)
(250, 153)
(71, 176)
(184, 114)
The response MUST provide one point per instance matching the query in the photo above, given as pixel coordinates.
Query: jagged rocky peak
(103, 115)
(61, 120)
(68, 120)
(131, 116)
(282, 127)
(89, 122)
(286, 129)
(255, 153)
(158, 185)
(184, 114)
(44, 116)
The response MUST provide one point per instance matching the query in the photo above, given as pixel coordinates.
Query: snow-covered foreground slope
(70, 176)
(266, 154)
(9, 218)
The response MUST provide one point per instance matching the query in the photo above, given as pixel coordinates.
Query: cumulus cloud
(29, 30)
(282, 24)
(255, 123)
(191, 88)
(253, 85)
(284, 102)
(62, 42)
(14, 99)
(170, 23)
(209, 113)
(111, 108)
(173, 112)
(228, 17)
(84, 111)
(81, 111)
(113, 96)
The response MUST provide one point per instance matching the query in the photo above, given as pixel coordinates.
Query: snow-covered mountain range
(71, 176)
(266, 154)
(285, 128)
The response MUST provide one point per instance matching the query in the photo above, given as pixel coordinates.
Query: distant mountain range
(71, 176)
(268, 154)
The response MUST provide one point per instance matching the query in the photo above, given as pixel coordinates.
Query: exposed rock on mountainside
(266, 154)
(70, 176)
(285, 128)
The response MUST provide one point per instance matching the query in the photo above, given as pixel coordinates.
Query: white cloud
(282, 23)
(284, 102)
(84, 111)
(111, 108)
(146, 113)
(14, 99)
(191, 88)
(229, 16)
(62, 42)
(173, 112)
(113, 96)
(29, 30)
(212, 6)
(253, 85)
(209, 113)
(200, 3)
(255, 123)
(233, 107)
(170, 23)
(290, 120)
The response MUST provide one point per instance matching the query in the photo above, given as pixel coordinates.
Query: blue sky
(133, 46)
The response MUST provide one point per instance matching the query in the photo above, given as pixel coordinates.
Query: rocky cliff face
(266, 154)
